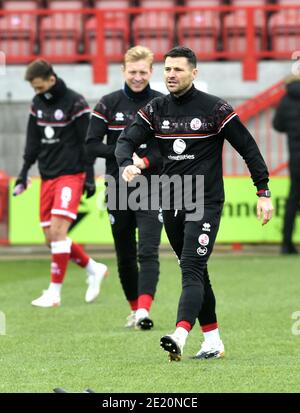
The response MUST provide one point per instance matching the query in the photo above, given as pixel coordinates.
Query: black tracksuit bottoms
(193, 243)
(292, 205)
(138, 262)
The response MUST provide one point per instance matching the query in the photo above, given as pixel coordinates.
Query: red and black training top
(56, 131)
(190, 131)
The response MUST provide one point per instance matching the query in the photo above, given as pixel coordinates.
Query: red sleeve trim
(147, 162)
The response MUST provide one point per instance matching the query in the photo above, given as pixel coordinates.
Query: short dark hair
(181, 51)
(39, 68)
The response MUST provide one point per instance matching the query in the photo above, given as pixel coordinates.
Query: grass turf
(83, 345)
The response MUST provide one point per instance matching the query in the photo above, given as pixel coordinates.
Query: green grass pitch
(83, 345)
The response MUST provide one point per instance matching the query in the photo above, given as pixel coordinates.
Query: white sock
(55, 288)
(141, 313)
(181, 333)
(91, 266)
(212, 336)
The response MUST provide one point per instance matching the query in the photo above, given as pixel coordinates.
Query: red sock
(60, 258)
(209, 327)
(184, 324)
(78, 255)
(145, 301)
(133, 304)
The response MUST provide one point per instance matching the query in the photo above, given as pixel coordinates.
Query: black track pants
(291, 208)
(193, 243)
(138, 262)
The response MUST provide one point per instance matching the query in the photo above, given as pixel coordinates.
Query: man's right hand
(20, 185)
(89, 187)
(130, 172)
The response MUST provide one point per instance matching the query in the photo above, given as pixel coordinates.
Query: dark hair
(39, 68)
(181, 51)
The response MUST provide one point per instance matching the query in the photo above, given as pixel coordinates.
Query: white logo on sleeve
(203, 239)
(49, 132)
(201, 251)
(206, 227)
(179, 146)
(58, 114)
(195, 124)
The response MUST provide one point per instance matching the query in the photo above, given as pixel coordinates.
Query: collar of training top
(145, 93)
(53, 94)
(185, 97)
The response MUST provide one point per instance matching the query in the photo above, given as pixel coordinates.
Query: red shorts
(60, 197)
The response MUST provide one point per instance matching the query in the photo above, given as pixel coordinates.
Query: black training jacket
(190, 131)
(56, 132)
(112, 114)
(287, 119)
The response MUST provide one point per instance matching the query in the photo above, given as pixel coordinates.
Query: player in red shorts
(56, 132)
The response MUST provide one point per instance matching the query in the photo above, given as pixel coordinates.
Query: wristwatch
(264, 193)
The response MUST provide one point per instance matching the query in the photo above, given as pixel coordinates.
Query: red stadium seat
(235, 27)
(284, 29)
(199, 30)
(155, 29)
(116, 29)
(249, 2)
(66, 4)
(196, 3)
(296, 2)
(21, 5)
(60, 33)
(18, 31)
(157, 3)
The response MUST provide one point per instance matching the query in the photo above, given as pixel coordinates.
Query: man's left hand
(138, 162)
(264, 209)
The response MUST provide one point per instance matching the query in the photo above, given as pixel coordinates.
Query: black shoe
(169, 343)
(289, 249)
(144, 324)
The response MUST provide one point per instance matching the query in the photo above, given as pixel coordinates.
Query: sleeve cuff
(146, 161)
(126, 163)
(262, 185)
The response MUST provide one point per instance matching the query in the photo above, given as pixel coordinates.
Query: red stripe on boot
(145, 301)
(209, 327)
(133, 304)
(58, 267)
(184, 324)
(78, 255)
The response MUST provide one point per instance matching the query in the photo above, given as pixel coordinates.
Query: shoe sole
(42, 306)
(144, 324)
(215, 355)
(168, 344)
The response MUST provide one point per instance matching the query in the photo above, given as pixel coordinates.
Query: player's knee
(192, 268)
(57, 234)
